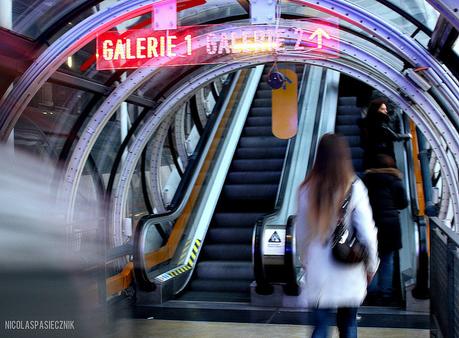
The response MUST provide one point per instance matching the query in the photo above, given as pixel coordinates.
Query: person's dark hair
(374, 106)
(384, 161)
(327, 183)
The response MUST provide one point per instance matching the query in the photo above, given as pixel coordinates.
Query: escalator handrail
(185, 187)
(190, 175)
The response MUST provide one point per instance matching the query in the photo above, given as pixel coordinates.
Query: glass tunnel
(147, 159)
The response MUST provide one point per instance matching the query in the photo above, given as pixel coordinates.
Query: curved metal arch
(419, 114)
(38, 73)
(98, 121)
(140, 76)
(170, 104)
(48, 62)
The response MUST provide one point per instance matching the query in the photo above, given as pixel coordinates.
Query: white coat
(327, 283)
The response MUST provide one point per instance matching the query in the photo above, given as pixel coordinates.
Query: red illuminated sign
(206, 44)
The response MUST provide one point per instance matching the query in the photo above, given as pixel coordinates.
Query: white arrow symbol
(319, 32)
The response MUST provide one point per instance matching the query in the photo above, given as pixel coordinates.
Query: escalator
(347, 116)
(224, 270)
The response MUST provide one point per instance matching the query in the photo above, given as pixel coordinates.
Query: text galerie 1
(196, 45)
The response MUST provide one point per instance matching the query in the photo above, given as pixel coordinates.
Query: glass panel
(422, 38)
(33, 17)
(418, 9)
(135, 206)
(169, 177)
(47, 122)
(368, 46)
(421, 10)
(456, 47)
(83, 64)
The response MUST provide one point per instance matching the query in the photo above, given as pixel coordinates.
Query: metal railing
(444, 278)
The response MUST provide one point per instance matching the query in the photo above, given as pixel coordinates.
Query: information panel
(206, 44)
(274, 242)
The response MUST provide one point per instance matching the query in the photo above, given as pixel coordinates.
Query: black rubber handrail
(179, 201)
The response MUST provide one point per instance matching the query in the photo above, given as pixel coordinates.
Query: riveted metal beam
(96, 88)
(17, 100)
(407, 95)
(139, 76)
(410, 94)
(449, 9)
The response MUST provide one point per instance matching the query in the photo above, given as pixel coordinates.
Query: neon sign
(206, 44)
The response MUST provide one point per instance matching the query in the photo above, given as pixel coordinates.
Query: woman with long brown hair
(327, 283)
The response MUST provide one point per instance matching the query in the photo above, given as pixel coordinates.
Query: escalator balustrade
(224, 270)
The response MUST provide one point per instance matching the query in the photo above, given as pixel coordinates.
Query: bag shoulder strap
(341, 225)
(347, 199)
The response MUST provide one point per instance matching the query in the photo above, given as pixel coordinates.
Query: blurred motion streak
(48, 268)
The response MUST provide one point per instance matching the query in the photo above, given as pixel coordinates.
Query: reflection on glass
(418, 9)
(47, 122)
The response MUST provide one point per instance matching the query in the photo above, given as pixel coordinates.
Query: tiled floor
(220, 320)
(173, 328)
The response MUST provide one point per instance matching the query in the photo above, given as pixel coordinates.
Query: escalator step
(357, 153)
(257, 131)
(348, 130)
(349, 110)
(220, 285)
(234, 219)
(358, 164)
(220, 269)
(347, 100)
(262, 103)
(227, 252)
(253, 192)
(263, 94)
(229, 236)
(257, 165)
(260, 111)
(347, 120)
(250, 153)
(261, 142)
(354, 141)
(209, 296)
(263, 86)
(253, 177)
(258, 121)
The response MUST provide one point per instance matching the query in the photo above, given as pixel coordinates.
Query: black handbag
(346, 248)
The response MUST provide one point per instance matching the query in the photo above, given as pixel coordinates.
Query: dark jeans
(346, 320)
(382, 282)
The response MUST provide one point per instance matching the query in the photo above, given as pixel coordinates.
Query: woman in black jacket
(387, 196)
(378, 134)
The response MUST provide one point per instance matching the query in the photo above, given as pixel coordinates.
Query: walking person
(387, 197)
(329, 285)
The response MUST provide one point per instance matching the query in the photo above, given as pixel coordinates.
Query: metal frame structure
(420, 105)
